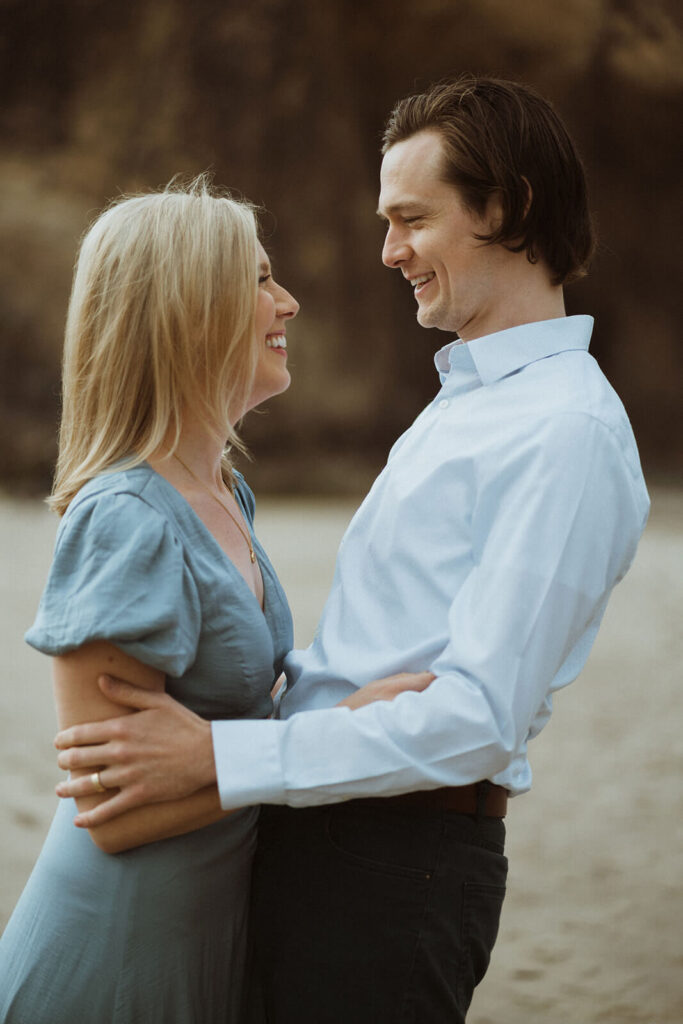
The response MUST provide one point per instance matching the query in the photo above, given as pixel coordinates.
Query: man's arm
(554, 526)
(162, 753)
(549, 542)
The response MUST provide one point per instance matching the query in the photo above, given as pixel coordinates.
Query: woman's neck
(199, 450)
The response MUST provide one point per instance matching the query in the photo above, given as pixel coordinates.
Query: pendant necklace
(252, 553)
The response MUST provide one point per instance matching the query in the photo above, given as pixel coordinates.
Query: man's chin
(424, 318)
(427, 317)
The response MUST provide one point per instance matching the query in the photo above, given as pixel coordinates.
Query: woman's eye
(264, 278)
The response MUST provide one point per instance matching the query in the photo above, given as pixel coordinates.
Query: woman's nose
(286, 305)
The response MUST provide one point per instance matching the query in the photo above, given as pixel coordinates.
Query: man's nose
(395, 250)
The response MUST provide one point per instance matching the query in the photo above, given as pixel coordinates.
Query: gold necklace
(252, 553)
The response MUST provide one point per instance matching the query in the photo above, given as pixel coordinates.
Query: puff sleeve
(120, 574)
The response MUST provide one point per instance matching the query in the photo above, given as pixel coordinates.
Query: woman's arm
(164, 751)
(78, 700)
(157, 821)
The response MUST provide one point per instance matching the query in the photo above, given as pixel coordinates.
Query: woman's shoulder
(137, 481)
(116, 509)
(119, 573)
(245, 495)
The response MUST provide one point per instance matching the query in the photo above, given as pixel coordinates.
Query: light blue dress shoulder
(156, 935)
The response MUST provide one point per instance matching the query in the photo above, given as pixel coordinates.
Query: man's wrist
(247, 762)
(208, 757)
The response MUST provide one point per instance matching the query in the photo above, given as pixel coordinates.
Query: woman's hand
(387, 688)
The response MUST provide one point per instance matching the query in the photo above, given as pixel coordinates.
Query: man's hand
(164, 752)
(387, 688)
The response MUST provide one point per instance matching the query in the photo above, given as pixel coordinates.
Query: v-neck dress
(156, 935)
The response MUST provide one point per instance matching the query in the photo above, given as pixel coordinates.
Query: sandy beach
(591, 928)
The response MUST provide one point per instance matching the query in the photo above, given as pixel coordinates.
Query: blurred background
(284, 100)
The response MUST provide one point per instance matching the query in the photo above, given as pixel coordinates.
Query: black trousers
(368, 914)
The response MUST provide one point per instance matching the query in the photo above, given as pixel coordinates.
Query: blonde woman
(175, 329)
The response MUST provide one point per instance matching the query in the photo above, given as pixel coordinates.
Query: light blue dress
(157, 934)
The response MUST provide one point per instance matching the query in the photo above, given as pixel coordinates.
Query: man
(485, 552)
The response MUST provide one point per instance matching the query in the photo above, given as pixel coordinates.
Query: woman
(175, 330)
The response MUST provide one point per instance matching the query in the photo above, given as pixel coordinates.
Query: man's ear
(493, 214)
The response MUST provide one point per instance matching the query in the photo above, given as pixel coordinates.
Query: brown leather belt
(481, 798)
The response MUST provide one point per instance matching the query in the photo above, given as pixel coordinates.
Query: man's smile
(420, 282)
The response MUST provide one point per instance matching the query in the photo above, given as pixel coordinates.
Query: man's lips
(421, 281)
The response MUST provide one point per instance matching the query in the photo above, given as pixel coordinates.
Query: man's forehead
(424, 149)
(412, 175)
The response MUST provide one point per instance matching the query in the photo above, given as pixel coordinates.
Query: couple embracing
(341, 859)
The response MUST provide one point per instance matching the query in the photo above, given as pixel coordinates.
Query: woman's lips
(277, 343)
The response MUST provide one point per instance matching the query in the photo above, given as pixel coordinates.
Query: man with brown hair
(485, 552)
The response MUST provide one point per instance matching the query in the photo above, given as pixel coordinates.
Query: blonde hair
(161, 316)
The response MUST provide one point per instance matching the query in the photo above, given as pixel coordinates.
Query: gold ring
(97, 782)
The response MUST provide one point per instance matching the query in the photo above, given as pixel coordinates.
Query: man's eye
(411, 220)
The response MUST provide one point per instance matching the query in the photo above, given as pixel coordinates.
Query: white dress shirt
(485, 552)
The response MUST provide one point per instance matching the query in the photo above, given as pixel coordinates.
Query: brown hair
(502, 138)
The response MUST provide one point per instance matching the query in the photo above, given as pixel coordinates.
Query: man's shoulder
(572, 384)
(567, 409)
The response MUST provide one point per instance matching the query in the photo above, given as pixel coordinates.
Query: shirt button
(443, 404)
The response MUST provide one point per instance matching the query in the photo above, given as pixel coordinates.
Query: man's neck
(524, 296)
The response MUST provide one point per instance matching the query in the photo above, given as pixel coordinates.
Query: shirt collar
(497, 355)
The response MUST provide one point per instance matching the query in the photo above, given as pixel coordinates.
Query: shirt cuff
(248, 768)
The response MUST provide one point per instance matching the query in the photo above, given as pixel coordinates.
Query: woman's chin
(263, 394)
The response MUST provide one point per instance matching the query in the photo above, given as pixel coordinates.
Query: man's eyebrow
(406, 207)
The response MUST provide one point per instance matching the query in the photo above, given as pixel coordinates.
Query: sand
(591, 928)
